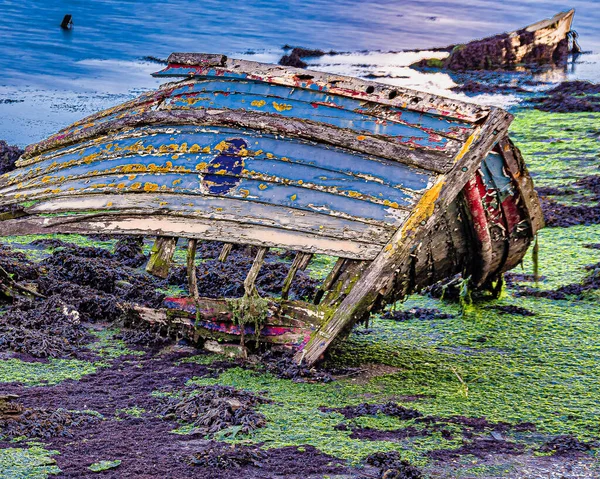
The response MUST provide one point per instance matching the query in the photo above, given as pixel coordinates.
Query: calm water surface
(63, 75)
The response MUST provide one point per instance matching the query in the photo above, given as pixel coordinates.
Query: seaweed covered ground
(505, 388)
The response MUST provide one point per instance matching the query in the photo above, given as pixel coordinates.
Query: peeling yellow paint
(361, 137)
(425, 207)
(136, 186)
(109, 204)
(259, 103)
(244, 192)
(293, 197)
(150, 186)
(176, 182)
(281, 106)
(195, 148)
(465, 147)
(262, 186)
(121, 186)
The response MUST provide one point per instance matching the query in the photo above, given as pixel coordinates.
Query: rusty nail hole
(415, 100)
(423, 222)
(370, 89)
(464, 168)
(393, 94)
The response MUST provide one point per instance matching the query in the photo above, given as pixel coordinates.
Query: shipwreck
(404, 188)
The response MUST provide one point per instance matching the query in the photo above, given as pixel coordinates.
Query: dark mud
(213, 408)
(570, 97)
(559, 215)
(8, 156)
(391, 466)
(578, 290)
(511, 279)
(512, 309)
(480, 447)
(422, 314)
(131, 431)
(472, 87)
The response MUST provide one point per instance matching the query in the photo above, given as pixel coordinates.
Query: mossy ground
(541, 369)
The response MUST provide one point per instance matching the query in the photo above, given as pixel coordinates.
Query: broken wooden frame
(405, 188)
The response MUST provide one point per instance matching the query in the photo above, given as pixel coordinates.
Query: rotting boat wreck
(405, 188)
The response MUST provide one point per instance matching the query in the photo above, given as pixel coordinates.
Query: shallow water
(59, 76)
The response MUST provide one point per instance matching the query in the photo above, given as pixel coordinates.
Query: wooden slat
(330, 83)
(214, 208)
(249, 282)
(190, 228)
(301, 261)
(225, 252)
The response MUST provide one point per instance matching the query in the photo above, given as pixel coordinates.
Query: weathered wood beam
(331, 278)
(191, 269)
(301, 261)
(378, 279)
(161, 256)
(250, 280)
(223, 255)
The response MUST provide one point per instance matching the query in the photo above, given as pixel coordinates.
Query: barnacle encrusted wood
(404, 187)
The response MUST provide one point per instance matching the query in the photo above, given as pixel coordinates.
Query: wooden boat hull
(404, 187)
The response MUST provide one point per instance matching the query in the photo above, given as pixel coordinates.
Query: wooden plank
(518, 170)
(163, 225)
(379, 277)
(288, 127)
(235, 210)
(161, 256)
(219, 175)
(193, 64)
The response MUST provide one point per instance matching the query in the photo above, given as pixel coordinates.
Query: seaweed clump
(44, 423)
(282, 365)
(366, 409)
(214, 408)
(570, 97)
(391, 466)
(42, 329)
(227, 456)
(567, 445)
(423, 314)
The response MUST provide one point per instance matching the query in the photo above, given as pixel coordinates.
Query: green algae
(104, 465)
(44, 373)
(34, 462)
